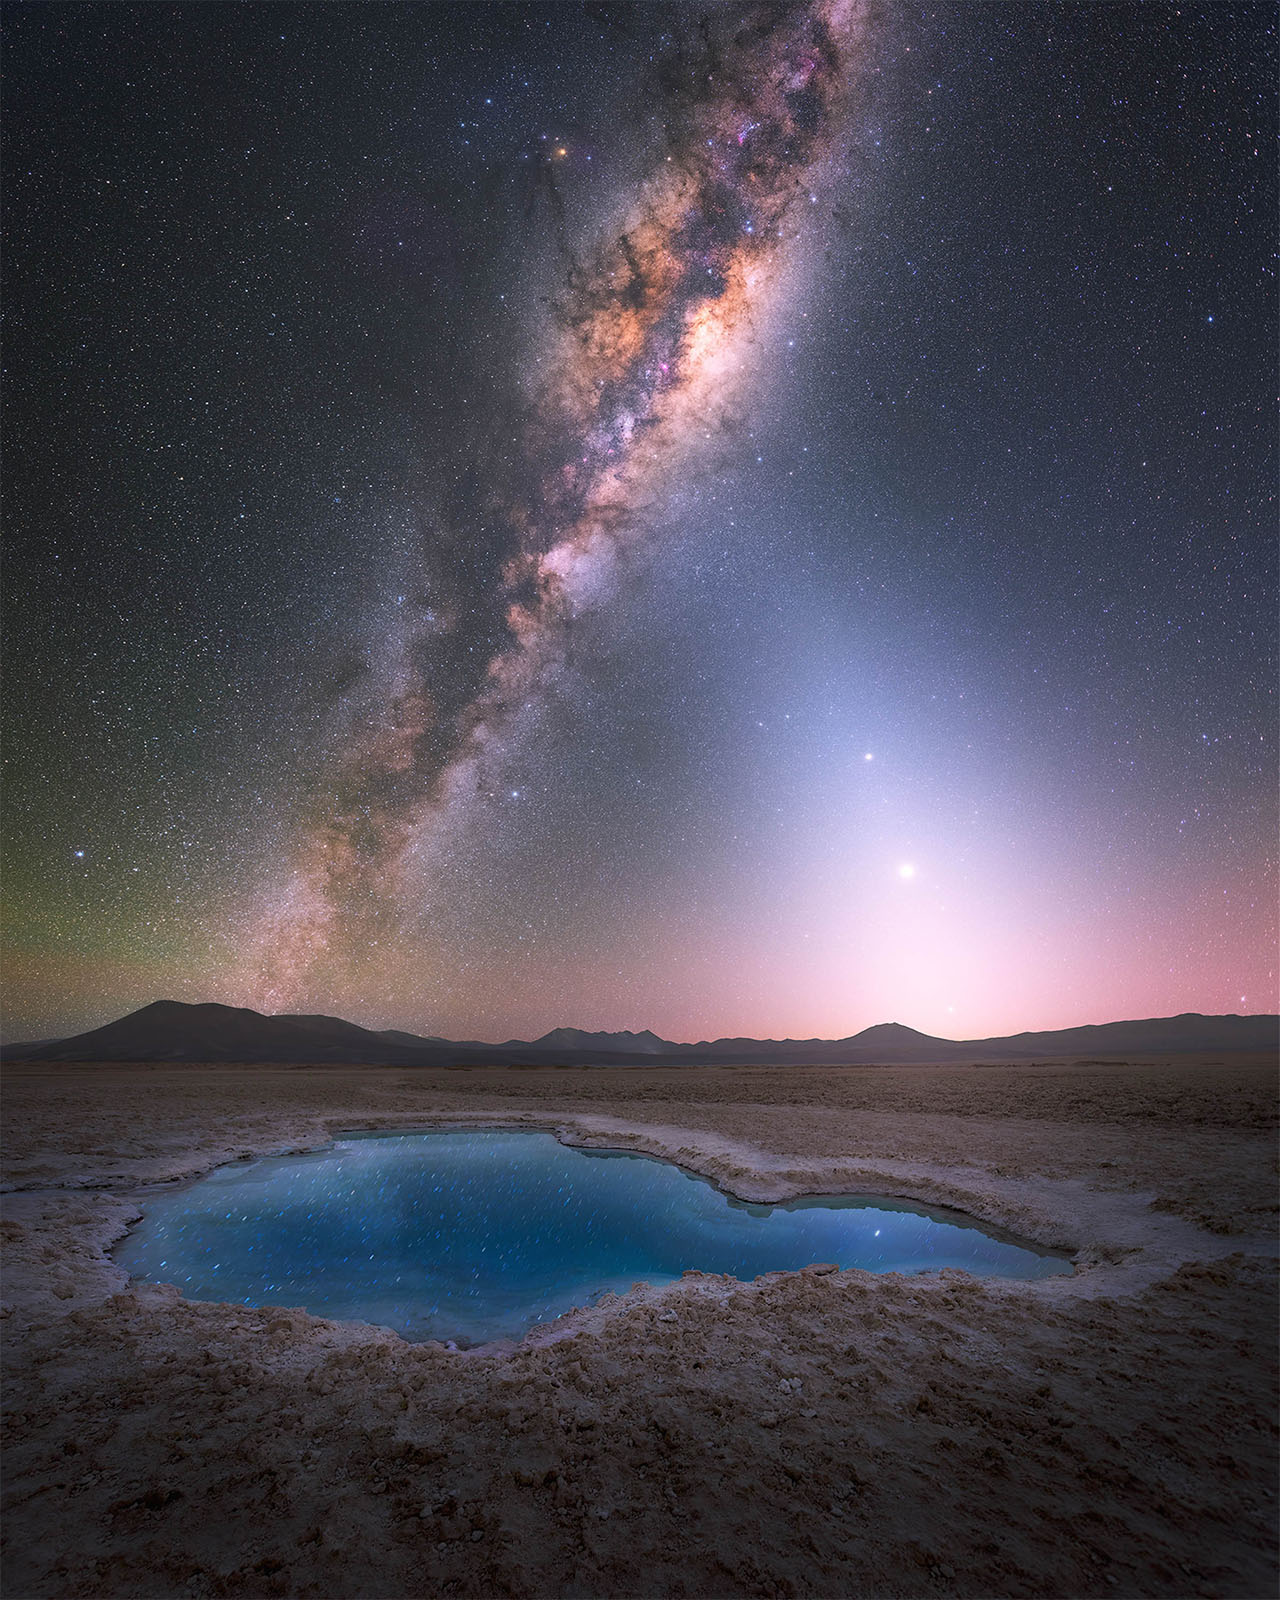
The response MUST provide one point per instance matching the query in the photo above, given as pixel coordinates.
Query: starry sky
(730, 519)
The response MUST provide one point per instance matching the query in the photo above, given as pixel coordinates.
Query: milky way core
(650, 337)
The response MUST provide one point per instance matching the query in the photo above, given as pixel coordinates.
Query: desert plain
(816, 1433)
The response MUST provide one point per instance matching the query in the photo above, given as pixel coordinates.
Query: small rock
(476, 1534)
(768, 1419)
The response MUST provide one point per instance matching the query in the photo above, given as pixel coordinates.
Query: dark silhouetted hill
(170, 1030)
(640, 1044)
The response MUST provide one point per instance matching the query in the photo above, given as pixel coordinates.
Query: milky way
(523, 515)
(650, 334)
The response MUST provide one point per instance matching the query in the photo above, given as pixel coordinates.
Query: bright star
(907, 870)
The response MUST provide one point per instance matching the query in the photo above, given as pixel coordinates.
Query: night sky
(730, 520)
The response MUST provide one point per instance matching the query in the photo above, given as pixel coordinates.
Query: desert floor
(811, 1433)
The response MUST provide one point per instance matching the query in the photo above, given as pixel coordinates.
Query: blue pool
(475, 1236)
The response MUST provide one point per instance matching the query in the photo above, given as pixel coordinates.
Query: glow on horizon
(82, 994)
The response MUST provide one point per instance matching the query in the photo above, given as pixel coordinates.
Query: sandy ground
(816, 1433)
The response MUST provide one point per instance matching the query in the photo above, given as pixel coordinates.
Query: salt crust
(812, 1433)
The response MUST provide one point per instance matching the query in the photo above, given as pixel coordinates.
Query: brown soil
(814, 1433)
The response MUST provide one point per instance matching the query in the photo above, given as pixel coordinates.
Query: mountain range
(171, 1030)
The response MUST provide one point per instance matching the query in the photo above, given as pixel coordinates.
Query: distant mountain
(642, 1044)
(1153, 1036)
(887, 1042)
(414, 1040)
(891, 1043)
(170, 1030)
(893, 1034)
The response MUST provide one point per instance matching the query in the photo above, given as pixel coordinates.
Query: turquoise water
(468, 1237)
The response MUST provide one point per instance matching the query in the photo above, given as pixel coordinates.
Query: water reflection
(475, 1236)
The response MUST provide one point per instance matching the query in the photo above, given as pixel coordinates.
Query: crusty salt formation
(813, 1432)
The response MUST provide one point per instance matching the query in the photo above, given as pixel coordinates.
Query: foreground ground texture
(813, 1433)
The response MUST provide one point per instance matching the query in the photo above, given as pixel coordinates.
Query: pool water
(473, 1236)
